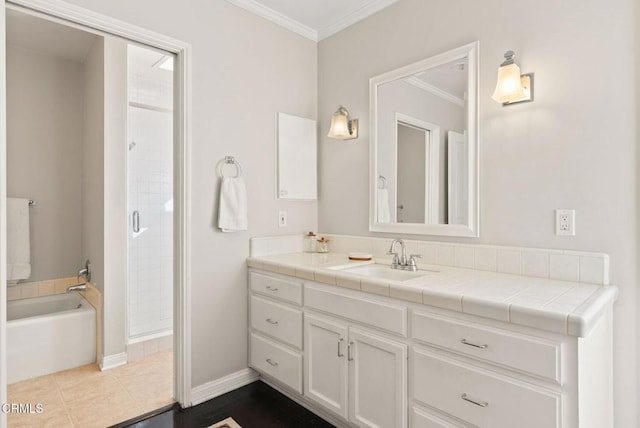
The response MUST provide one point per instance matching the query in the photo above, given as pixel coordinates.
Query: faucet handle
(396, 260)
(412, 261)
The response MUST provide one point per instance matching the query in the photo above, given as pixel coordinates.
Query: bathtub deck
(87, 397)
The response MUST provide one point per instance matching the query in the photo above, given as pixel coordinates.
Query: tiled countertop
(564, 307)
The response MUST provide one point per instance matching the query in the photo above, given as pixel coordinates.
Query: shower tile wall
(150, 184)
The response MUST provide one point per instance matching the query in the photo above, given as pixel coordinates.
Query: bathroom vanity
(443, 347)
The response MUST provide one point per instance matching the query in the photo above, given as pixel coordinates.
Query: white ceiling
(47, 37)
(314, 19)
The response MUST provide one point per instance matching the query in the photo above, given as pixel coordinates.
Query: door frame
(432, 164)
(91, 21)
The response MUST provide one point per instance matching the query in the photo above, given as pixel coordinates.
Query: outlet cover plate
(565, 222)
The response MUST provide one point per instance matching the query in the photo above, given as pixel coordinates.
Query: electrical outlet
(566, 222)
(282, 219)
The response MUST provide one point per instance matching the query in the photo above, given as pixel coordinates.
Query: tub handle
(136, 221)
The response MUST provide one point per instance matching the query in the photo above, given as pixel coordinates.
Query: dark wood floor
(256, 405)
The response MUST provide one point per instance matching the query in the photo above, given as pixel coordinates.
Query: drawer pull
(339, 342)
(270, 288)
(349, 357)
(465, 342)
(272, 322)
(273, 363)
(465, 397)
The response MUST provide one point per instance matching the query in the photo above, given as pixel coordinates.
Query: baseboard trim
(306, 403)
(112, 361)
(217, 387)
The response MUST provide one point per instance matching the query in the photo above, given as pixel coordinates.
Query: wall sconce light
(512, 87)
(343, 128)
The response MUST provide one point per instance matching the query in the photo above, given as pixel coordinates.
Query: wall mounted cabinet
(297, 157)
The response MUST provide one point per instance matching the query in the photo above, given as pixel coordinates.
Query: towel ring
(229, 160)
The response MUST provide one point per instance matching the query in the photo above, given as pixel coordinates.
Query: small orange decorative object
(322, 246)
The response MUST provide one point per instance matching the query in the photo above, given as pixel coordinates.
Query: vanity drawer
(277, 320)
(479, 397)
(422, 419)
(386, 316)
(276, 287)
(525, 353)
(276, 361)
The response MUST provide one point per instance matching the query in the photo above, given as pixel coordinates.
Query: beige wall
(244, 70)
(44, 156)
(92, 159)
(115, 195)
(574, 147)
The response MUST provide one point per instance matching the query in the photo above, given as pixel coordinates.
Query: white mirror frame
(471, 229)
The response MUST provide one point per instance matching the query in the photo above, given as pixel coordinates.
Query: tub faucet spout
(79, 287)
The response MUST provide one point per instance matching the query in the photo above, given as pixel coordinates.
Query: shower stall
(150, 194)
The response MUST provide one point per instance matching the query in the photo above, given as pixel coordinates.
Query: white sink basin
(382, 272)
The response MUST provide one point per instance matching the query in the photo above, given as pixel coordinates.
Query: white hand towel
(384, 215)
(232, 209)
(18, 246)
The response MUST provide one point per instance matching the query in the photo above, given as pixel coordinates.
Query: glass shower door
(150, 194)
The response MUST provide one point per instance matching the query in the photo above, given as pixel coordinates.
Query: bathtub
(48, 334)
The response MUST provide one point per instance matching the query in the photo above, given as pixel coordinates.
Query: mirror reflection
(421, 116)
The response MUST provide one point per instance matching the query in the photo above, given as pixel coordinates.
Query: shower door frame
(96, 23)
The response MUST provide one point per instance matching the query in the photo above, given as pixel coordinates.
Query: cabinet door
(325, 363)
(377, 381)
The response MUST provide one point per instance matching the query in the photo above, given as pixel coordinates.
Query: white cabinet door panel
(325, 368)
(377, 381)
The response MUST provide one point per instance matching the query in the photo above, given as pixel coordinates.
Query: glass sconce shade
(343, 128)
(512, 87)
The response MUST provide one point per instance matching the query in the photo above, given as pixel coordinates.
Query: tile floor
(86, 397)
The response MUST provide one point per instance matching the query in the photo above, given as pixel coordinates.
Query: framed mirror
(424, 146)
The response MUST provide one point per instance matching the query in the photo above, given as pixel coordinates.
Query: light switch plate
(282, 219)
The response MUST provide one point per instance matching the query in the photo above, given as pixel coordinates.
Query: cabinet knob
(272, 322)
(270, 288)
(273, 363)
(339, 343)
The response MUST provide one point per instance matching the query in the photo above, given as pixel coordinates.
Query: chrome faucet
(78, 287)
(401, 262)
(398, 261)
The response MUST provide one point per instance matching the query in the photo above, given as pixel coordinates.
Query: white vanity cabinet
(355, 373)
(275, 320)
(364, 360)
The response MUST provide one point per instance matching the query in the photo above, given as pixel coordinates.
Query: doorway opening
(76, 171)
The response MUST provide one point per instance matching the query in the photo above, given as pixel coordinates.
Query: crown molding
(435, 90)
(277, 18)
(353, 17)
